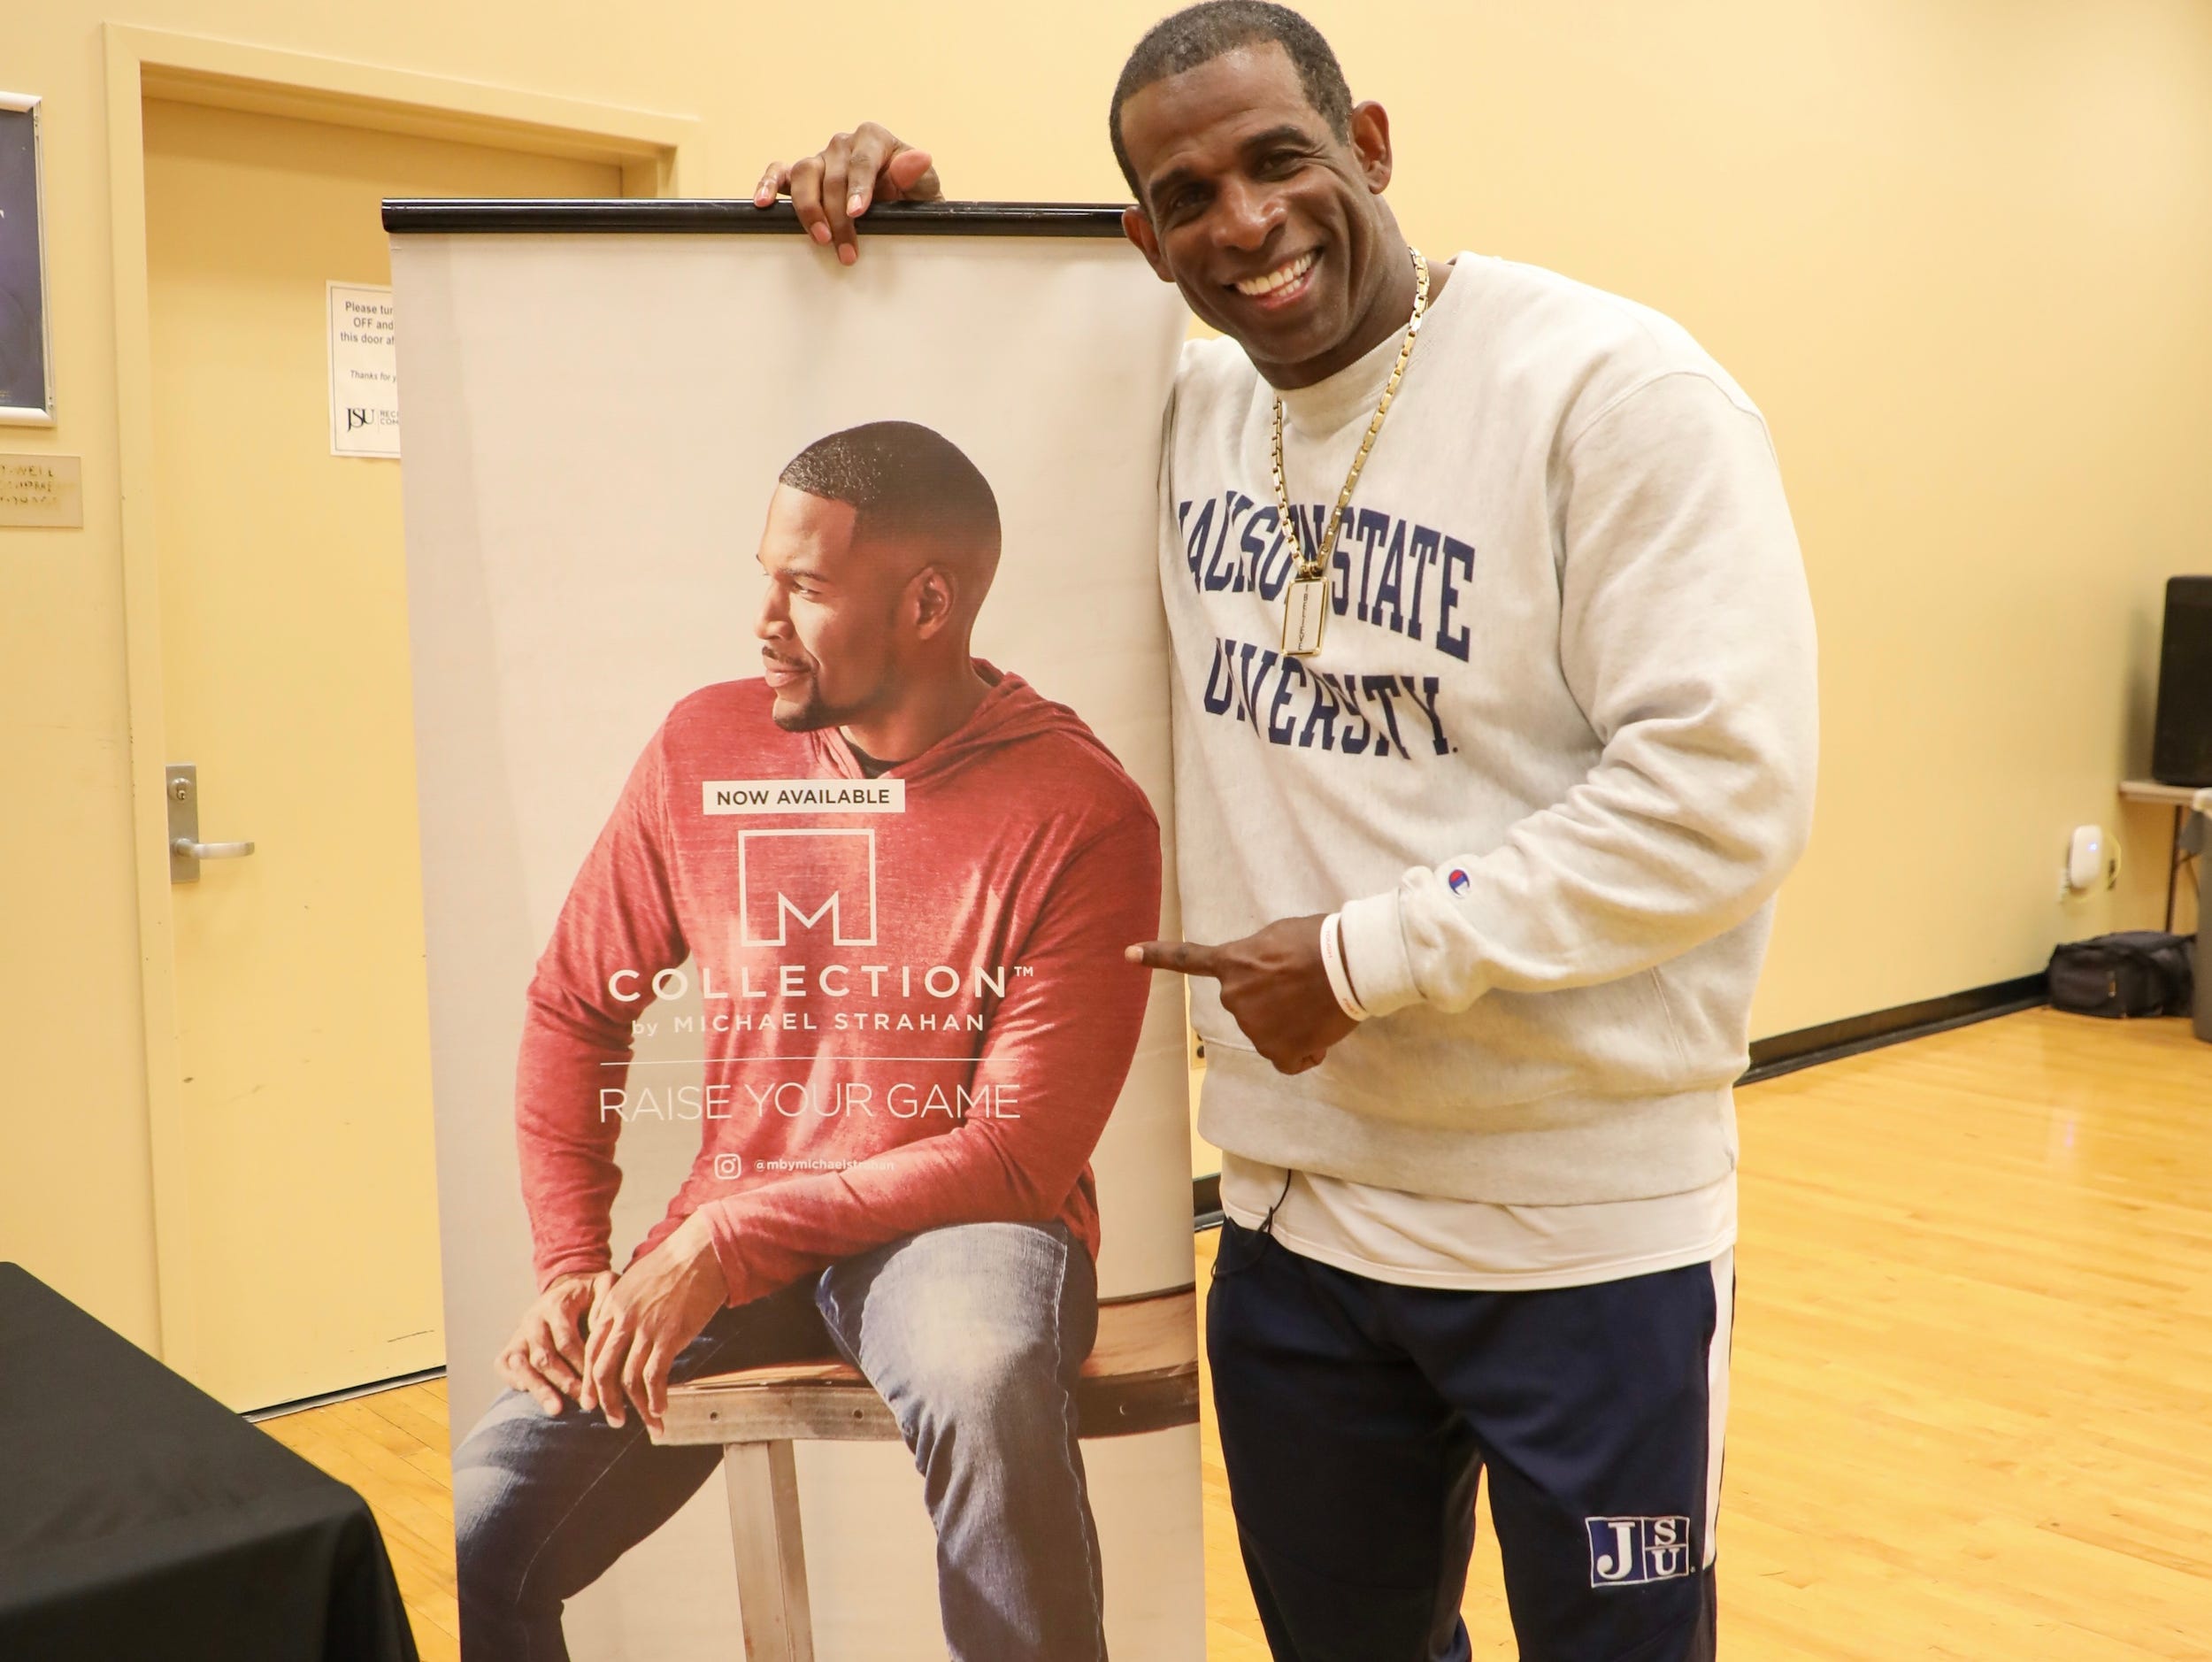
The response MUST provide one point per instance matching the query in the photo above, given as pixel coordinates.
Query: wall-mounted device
(2093, 860)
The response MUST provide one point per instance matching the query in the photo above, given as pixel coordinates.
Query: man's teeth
(1277, 278)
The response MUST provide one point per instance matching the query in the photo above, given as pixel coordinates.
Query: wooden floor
(1972, 1407)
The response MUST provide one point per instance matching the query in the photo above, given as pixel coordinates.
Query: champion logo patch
(1458, 881)
(1630, 1551)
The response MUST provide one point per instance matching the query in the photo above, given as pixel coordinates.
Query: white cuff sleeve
(1332, 962)
(1374, 952)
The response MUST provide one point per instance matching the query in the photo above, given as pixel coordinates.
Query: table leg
(764, 1487)
(2173, 866)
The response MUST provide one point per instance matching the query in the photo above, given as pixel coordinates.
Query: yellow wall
(1958, 249)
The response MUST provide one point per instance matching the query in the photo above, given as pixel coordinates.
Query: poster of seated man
(792, 739)
(902, 880)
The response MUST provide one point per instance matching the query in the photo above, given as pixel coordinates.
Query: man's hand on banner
(546, 1357)
(1272, 982)
(641, 1323)
(836, 185)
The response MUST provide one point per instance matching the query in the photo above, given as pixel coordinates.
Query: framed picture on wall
(27, 383)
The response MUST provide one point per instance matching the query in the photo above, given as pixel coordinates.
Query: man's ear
(936, 595)
(1370, 142)
(1139, 230)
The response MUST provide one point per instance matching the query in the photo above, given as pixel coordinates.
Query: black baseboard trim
(301, 1405)
(1831, 1040)
(1806, 1047)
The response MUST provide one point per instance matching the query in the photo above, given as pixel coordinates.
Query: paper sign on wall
(42, 490)
(364, 372)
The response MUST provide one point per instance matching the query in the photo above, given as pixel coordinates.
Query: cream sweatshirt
(1553, 761)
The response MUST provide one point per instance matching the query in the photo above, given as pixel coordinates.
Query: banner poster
(696, 518)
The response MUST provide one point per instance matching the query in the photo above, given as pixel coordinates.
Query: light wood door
(309, 1252)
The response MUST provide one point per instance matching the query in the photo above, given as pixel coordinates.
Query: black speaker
(2181, 739)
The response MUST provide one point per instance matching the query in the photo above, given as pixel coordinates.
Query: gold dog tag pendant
(1305, 609)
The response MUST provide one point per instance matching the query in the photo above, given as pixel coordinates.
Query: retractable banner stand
(791, 713)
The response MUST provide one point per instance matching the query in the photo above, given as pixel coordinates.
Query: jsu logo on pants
(1629, 1552)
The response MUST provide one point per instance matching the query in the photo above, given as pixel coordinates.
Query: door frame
(648, 147)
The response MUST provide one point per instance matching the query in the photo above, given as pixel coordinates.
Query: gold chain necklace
(1306, 601)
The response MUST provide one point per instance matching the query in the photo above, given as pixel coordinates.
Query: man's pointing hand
(1273, 983)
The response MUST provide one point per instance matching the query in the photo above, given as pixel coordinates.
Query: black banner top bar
(423, 215)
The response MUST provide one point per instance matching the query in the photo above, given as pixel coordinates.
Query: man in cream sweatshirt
(1477, 891)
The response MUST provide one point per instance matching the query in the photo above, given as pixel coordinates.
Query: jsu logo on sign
(1629, 1552)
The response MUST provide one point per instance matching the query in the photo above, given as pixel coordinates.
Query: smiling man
(899, 881)
(1496, 723)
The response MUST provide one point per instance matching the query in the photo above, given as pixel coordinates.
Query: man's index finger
(1185, 957)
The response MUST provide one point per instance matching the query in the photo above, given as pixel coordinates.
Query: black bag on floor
(2136, 972)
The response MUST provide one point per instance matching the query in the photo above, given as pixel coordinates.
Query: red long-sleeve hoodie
(912, 1018)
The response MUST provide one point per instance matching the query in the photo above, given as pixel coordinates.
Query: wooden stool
(1142, 1375)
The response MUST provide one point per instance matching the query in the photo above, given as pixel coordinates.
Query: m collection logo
(1630, 1551)
(804, 876)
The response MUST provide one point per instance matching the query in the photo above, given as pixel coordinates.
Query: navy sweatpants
(1357, 1418)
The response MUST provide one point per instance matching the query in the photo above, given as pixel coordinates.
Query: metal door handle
(180, 784)
(192, 850)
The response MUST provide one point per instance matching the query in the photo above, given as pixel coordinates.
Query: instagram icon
(729, 1166)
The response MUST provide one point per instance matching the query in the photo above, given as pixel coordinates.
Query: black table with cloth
(142, 1520)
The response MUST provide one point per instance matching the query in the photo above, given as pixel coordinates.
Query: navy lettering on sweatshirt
(1387, 571)
(1288, 701)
